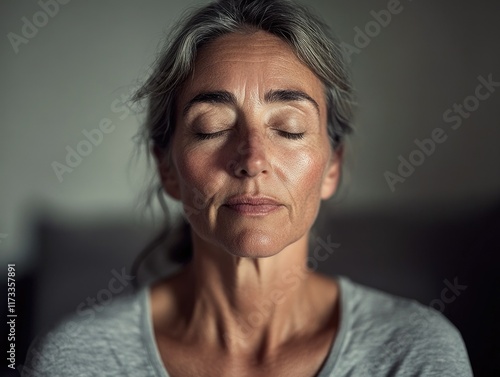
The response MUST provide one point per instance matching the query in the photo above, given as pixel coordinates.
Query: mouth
(252, 205)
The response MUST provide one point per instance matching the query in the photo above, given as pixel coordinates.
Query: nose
(251, 158)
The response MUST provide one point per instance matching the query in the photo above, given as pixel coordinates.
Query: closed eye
(292, 136)
(203, 136)
(288, 135)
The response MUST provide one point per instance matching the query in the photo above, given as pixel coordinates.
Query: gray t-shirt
(379, 335)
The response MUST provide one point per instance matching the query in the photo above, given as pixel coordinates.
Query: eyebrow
(272, 96)
(287, 95)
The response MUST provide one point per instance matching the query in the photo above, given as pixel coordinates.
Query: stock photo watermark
(86, 312)
(105, 296)
(453, 116)
(92, 139)
(11, 315)
(372, 29)
(418, 320)
(290, 281)
(32, 25)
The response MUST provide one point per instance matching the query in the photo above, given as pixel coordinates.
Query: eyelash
(288, 135)
(202, 136)
(292, 136)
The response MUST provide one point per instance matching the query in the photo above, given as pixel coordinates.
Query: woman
(247, 112)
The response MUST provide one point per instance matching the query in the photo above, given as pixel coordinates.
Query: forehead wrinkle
(256, 42)
(258, 48)
(220, 65)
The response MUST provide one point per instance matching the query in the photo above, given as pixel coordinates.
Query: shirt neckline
(148, 331)
(154, 354)
(337, 343)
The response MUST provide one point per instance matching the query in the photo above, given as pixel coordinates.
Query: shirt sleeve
(429, 346)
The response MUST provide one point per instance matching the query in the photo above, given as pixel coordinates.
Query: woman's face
(250, 121)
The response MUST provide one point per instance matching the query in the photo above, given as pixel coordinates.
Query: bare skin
(246, 304)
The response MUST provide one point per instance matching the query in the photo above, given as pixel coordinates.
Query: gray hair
(306, 34)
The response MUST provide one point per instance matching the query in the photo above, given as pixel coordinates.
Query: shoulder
(402, 336)
(86, 343)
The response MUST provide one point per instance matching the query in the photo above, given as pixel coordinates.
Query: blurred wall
(424, 155)
(70, 75)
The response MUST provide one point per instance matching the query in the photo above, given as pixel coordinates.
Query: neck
(248, 304)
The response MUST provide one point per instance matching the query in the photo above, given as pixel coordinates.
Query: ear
(332, 176)
(167, 172)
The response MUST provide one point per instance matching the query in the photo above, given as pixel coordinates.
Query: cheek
(198, 174)
(304, 170)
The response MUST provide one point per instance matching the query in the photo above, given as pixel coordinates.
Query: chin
(248, 244)
(253, 253)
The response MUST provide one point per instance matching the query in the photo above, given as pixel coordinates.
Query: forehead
(251, 63)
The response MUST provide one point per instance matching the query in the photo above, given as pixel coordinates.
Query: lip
(252, 205)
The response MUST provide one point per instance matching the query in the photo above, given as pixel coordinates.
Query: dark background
(442, 223)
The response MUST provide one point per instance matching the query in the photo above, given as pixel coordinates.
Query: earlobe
(167, 173)
(332, 176)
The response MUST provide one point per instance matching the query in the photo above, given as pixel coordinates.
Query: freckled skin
(220, 307)
(292, 171)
